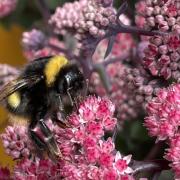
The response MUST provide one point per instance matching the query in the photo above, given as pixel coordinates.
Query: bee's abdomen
(17, 103)
(14, 100)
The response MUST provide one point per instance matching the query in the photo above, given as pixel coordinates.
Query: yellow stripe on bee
(14, 100)
(53, 67)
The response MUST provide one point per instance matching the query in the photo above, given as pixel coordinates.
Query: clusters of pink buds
(84, 19)
(16, 142)
(163, 53)
(140, 10)
(163, 122)
(35, 45)
(86, 154)
(6, 7)
(33, 40)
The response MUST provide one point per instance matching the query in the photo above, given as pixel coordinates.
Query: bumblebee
(39, 91)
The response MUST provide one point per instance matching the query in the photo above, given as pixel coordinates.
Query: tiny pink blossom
(110, 174)
(121, 163)
(95, 129)
(106, 160)
(107, 146)
(92, 153)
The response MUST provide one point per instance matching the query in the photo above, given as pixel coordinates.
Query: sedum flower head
(33, 40)
(164, 113)
(86, 154)
(36, 45)
(85, 19)
(163, 53)
(16, 142)
(163, 121)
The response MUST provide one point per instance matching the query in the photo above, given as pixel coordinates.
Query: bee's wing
(18, 84)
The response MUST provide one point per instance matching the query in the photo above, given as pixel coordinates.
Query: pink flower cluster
(163, 53)
(7, 73)
(41, 169)
(16, 142)
(84, 19)
(86, 154)
(122, 95)
(140, 13)
(164, 122)
(35, 45)
(6, 7)
(33, 40)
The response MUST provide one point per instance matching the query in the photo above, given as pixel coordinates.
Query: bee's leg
(73, 101)
(33, 131)
(49, 139)
(56, 116)
(61, 123)
(61, 107)
(43, 138)
(70, 97)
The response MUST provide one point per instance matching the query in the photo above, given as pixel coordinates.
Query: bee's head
(70, 79)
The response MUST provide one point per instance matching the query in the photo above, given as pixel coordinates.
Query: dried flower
(6, 7)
